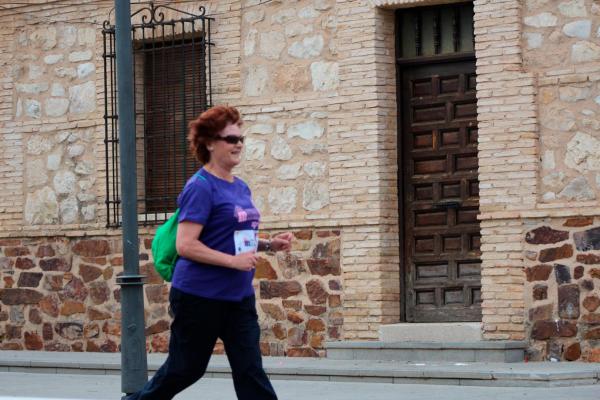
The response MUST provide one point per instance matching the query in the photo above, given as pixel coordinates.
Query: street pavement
(35, 386)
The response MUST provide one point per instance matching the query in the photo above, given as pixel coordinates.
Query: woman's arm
(190, 247)
(264, 245)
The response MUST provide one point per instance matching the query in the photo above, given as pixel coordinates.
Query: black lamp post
(134, 365)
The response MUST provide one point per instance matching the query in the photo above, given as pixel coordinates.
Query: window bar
(183, 105)
(172, 84)
(153, 113)
(399, 43)
(473, 31)
(147, 156)
(146, 111)
(456, 28)
(209, 89)
(135, 107)
(418, 31)
(193, 91)
(105, 56)
(114, 135)
(437, 32)
(169, 160)
(194, 111)
(164, 113)
(163, 125)
(203, 88)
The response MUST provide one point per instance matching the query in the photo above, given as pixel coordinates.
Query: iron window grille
(172, 77)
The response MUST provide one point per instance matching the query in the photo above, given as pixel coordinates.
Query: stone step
(312, 369)
(431, 332)
(477, 351)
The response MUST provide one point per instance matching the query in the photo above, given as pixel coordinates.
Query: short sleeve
(247, 190)
(195, 201)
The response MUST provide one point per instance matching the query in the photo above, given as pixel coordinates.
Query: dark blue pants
(197, 324)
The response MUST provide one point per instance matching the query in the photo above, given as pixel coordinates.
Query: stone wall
(318, 94)
(562, 290)
(287, 54)
(59, 294)
(299, 295)
(52, 143)
(531, 107)
(49, 125)
(58, 165)
(568, 98)
(315, 81)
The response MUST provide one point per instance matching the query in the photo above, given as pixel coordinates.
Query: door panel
(441, 193)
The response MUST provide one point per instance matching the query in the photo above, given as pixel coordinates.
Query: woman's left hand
(282, 242)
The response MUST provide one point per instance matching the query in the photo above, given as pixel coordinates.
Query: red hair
(207, 126)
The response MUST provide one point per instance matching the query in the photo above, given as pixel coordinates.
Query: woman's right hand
(244, 261)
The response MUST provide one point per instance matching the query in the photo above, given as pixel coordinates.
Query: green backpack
(164, 251)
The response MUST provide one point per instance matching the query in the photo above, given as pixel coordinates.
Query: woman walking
(212, 294)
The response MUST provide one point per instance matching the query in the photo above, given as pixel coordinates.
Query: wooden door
(441, 200)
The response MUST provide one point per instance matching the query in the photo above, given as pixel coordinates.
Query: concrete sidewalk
(327, 370)
(18, 386)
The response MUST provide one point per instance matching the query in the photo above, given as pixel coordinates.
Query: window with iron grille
(172, 75)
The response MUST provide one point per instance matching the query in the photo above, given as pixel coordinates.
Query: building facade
(437, 161)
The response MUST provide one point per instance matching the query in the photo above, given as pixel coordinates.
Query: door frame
(402, 64)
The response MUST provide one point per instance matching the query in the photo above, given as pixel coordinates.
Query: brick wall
(507, 162)
(363, 174)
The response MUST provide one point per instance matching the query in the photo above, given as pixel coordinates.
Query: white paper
(245, 241)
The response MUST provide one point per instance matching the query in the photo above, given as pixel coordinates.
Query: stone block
(587, 240)
(541, 313)
(33, 341)
(69, 330)
(316, 292)
(538, 273)
(546, 235)
(568, 301)
(20, 296)
(273, 311)
(91, 248)
(264, 270)
(562, 274)
(556, 253)
(543, 330)
(29, 279)
(588, 258)
(540, 292)
(572, 352)
(278, 289)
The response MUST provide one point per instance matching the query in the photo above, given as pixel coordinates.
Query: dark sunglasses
(231, 139)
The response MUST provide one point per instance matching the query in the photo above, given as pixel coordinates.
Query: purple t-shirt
(230, 225)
